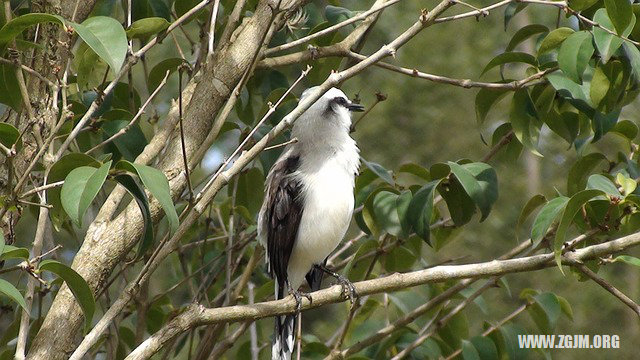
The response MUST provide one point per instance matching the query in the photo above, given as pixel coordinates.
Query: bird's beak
(355, 107)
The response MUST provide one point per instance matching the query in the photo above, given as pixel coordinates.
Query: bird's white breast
(329, 202)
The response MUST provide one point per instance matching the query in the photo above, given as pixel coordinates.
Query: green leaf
(402, 208)
(469, 351)
(156, 182)
(524, 120)
(78, 286)
(13, 293)
(59, 172)
(579, 172)
(80, 188)
(579, 5)
(510, 57)
(335, 14)
(486, 347)
(480, 182)
(461, 206)
(627, 129)
(17, 25)
(554, 39)
(545, 311)
(628, 185)
(573, 205)
(420, 209)
(127, 146)
(601, 182)
(106, 37)
(599, 86)
(415, 169)
(574, 54)
(386, 212)
(8, 134)
(524, 33)
(510, 11)
(565, 306)
(139, 195)
(2, 244)
(607, 43)
(533, 203)
(10, 95)
(158, 72)
(633, 54)
(380, 171)
(485, 99)
(602, 123)
(12, 252)
(570, 90)
(620, 12)
(547, 215)
(144, 28)
(627, 260)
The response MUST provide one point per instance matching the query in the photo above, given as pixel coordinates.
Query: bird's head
(334, 100)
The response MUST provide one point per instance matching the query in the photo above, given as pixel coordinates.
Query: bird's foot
(297, 295)
(348, 289)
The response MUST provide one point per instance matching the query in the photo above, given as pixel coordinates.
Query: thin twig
(134, 119)
(609, 287)
(330, 29)
(212, 26)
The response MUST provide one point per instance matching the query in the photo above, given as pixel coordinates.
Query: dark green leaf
(627, 129)
(8, 135)
(420, 210)
(10, 95)
(554, 39)
(13, 293)
(524, 120)
(510, 11)
(106, 37)
(130, 144)
(510, 57)
(547, 215)
(524, 33)
(158, 72)
(78, 286)
(80, 188)
(461, 206)
(620, 12)
(480, 182)
(139, 195)
(402, 208)
(574, 54)
(156, 182)
(602, 123)
(569, 89)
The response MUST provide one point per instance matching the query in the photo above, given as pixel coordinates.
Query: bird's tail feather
(285, 330)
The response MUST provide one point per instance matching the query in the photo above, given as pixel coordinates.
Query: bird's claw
(297, 295)
(348, 289)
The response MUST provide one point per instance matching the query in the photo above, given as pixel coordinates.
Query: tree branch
(197, 315)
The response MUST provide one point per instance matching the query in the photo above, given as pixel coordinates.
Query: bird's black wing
(284, 212)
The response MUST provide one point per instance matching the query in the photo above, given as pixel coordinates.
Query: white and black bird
(308, 204)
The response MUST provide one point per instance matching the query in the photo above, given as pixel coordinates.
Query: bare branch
(609, 287)
(196, 315)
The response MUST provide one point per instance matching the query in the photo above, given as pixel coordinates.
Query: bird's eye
(340, 100)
